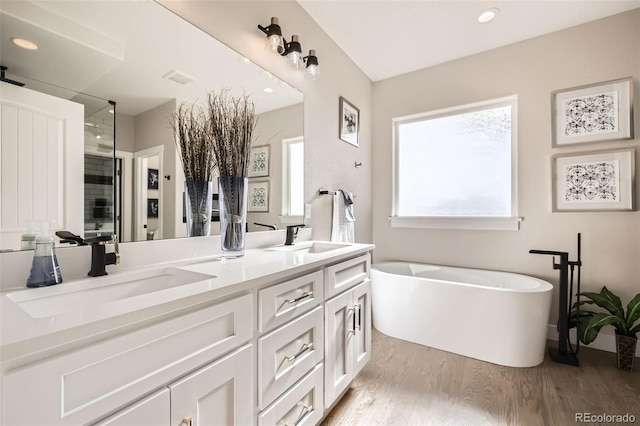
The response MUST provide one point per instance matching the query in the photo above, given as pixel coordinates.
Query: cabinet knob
(187, 421)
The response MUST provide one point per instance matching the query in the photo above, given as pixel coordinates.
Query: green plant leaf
(607, 300)
(633, 311)
(635, 330)
(588, 333)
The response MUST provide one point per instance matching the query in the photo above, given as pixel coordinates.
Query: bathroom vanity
(274, 337)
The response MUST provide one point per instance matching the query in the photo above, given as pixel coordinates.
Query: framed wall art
(152, 178)
(259, 161)
(594, 181)
(349, 122)
(258, 197)
(593, 113)
(152, 207)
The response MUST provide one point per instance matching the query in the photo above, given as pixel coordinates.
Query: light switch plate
(307, 210)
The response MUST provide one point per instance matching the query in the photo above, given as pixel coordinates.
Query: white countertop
(22, 335)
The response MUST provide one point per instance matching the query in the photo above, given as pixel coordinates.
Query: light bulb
(274, 42)
(313, 72)
(313, 69)
(295, 59)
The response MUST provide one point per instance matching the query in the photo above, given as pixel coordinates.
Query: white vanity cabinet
(347, 326)
(271, 351)
(154, 410)
(83, 385)
(218, 394)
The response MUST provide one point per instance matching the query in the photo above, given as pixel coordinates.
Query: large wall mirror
(88, 140)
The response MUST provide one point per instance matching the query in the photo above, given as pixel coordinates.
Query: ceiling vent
(178, 77)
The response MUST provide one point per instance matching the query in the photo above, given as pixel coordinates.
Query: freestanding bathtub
(492, 316)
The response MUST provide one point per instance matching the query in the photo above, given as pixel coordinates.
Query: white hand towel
(343, 221)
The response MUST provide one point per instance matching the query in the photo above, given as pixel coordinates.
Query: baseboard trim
(604, 342)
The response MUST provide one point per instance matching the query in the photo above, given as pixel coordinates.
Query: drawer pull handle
(352, 311)
(305, 348)
(297, 299)
(306, 410)
(187, 421)
(359, 316)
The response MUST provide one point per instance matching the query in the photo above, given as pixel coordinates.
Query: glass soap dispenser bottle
(45, 270)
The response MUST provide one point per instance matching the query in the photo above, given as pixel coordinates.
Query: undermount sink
(91, 292)
(311, 247)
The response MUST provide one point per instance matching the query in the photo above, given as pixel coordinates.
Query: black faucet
(292, 233)
(272, 227)
(99, 256)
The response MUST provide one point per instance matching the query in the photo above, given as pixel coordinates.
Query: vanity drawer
(82, 385)
(301, 405)
(282, 302)
(344, 275)
(288, 353)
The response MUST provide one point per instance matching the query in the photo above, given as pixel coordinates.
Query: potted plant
(626, 324)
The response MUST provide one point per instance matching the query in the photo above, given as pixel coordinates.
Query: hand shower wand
(560, 354)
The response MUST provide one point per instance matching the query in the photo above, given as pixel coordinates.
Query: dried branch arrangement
(195, 144)
(232, 122)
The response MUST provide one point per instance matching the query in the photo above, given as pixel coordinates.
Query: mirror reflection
(104, 93)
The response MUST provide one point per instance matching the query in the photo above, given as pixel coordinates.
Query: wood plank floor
(410, 384)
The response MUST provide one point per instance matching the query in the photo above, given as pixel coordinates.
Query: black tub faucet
(292, 233)
(99, 256)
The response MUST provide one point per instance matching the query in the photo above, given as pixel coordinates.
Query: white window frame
(460, 222)
(286, 217)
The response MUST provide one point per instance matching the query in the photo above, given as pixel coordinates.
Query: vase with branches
(195, 149)
(232, 122)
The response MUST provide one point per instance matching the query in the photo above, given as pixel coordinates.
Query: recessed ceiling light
(487, 15)
(268, 90)
(25, 44)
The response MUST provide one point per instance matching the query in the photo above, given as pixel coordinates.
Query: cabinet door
(339, 332)
(151, 411)
(362, 338)
(218, 394)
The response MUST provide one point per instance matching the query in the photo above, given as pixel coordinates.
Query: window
(456, 168)
(293, 179)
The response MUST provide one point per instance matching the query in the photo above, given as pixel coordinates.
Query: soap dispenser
(45, 270)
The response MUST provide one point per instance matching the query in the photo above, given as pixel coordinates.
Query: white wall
(602, 50)
(329, 162)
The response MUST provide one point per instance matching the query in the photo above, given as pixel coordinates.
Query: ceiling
(390, 38)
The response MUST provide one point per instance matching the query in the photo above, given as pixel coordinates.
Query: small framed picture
(215, 208)
(152, 207)
(593, 113)
(259, 161)
(258, 197)
(594, 181)
(152, 179)
(349, 122)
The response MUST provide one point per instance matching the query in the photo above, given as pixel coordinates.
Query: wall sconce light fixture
(291, 50)
(313, 69)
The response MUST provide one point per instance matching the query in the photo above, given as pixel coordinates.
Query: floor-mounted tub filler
(492, 316)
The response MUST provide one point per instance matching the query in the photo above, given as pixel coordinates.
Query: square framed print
(152, 178)
(349, 122)
(594, 181)
(594, 113)
(258, 196)
(259, 161)
(152, 207)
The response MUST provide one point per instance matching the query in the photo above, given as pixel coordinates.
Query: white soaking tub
(492, 316)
